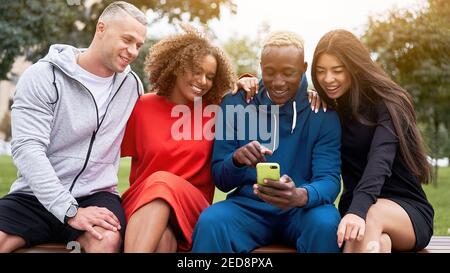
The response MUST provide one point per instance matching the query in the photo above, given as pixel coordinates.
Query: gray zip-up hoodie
(60, 146)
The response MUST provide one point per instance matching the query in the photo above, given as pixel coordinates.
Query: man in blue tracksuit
(298, 209)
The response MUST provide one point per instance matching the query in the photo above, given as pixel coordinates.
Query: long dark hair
(371, 83)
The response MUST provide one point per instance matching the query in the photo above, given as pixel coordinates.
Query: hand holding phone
(280, 192)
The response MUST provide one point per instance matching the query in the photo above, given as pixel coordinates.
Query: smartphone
(267, 170)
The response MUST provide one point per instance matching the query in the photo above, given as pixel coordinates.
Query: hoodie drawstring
(294, 122)
(294, 116)
(275, 134)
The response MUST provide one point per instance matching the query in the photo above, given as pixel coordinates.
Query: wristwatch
(71, 212)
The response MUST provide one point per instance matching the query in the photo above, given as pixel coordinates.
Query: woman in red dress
(170, 179)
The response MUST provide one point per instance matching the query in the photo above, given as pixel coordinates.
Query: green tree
(29, 27)
(414, 46)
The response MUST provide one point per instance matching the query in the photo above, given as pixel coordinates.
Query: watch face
(72, 211)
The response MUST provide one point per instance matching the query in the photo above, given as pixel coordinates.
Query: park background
(410, 39)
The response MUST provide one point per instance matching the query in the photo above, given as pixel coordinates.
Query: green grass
(438, 196)
(219, 196)
(8, 173)
(124, 172)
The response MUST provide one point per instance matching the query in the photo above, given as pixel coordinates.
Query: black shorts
(23, 215)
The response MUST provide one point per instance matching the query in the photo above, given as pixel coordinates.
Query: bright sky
(310, 19)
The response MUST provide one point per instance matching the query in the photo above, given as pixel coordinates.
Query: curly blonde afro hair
(180, 53)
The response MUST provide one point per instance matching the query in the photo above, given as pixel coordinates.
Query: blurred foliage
(138, 64)
(413, 47)
(29, 27)
(244, 52)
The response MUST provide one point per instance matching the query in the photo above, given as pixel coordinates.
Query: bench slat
(45, 248)
(438, 244)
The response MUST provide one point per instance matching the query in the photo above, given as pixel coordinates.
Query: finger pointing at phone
(250, 154)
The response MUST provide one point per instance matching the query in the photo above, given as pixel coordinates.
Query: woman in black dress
(383, 205)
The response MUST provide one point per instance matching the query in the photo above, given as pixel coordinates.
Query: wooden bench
(45, 248)
(438, 244)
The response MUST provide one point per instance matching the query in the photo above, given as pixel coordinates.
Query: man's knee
(325, 220)
(319, 226)
(209, 230)
(110, 243)
(208, 218)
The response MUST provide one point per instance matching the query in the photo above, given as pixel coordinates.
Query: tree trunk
(434, 178)
(436, 168)
(448, 138)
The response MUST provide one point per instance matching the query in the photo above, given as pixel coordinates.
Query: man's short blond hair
(117, 8)
(284, 38)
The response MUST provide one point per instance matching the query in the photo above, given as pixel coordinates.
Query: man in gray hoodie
(68, 119)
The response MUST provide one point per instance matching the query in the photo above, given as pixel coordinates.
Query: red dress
(177, 171)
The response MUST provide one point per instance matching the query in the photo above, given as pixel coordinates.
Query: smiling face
(282, 69)
(120, 41)
(332, 76)
(194, 83)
